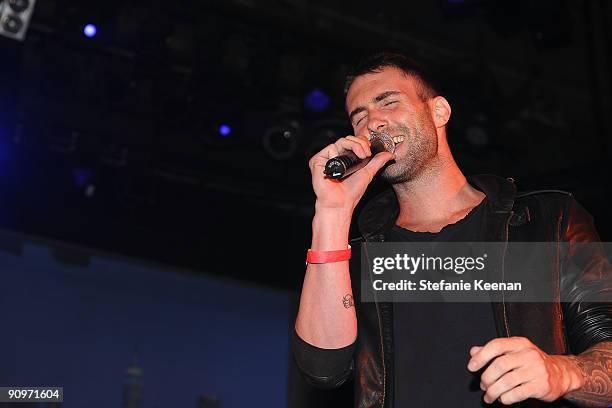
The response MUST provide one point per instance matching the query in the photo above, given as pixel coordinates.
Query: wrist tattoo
(595, 365)
(347, 301)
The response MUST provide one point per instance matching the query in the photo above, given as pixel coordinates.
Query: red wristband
(321, 257)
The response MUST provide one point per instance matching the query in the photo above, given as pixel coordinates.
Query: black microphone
(348, 163)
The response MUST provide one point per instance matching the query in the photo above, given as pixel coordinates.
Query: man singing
(443, 354)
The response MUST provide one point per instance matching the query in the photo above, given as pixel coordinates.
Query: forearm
(595, 367)
(326, 316)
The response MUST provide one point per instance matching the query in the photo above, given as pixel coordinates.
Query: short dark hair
(424, 83)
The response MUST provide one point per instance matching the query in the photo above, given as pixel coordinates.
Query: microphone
(348, 163)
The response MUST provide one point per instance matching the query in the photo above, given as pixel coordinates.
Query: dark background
(112, 142)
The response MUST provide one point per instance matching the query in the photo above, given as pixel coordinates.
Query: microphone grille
(386, 140)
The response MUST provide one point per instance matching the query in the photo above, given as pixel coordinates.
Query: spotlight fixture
(12, 24)
(281, 141)
(19, 6)
(15, 17)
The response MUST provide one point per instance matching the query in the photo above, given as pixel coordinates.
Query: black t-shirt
(432, 340)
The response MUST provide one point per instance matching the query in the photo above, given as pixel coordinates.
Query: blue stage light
(317, 101)
(90, 30)
(225, 130)
(81, 177)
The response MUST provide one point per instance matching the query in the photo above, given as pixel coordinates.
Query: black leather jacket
(556, 328)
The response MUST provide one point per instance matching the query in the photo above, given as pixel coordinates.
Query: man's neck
(440, 196)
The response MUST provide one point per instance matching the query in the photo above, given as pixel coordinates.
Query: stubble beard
(421, 150)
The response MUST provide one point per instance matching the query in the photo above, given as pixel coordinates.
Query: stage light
(81, 177)
(19, 6)
(225, 130)
(15, 18)
(219, 133)
(317, 101)
(90, 30)
(281, 141)
(12, 24)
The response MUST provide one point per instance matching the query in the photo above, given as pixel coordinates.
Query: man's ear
(440, 111)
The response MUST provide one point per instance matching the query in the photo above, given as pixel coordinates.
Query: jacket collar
(380, 213)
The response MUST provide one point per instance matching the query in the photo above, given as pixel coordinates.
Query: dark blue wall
(79, 326)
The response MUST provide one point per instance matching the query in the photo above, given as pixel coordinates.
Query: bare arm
(595, 366)
(326, 316)
(325, 319)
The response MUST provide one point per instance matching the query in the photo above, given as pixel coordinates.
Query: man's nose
(377, 124)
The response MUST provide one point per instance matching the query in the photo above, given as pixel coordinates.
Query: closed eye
(389, 103)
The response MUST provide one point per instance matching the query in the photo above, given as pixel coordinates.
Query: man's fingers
(377, 162)
(505, 383)
(495, 348)
(321, 158)
(517, 394)
(474, 350)
(354, 145)
(499, 367)
(363, 142)
(359, 146)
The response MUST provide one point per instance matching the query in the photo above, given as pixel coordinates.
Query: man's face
(387, 101)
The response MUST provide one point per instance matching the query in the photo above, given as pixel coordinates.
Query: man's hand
(519, 370)
(343, 195)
